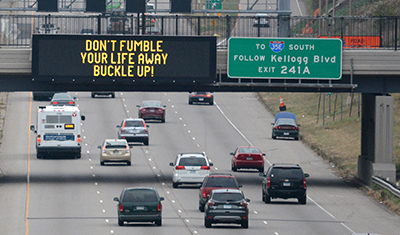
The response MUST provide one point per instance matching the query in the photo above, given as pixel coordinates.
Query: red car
(248, 157)
(152, 110)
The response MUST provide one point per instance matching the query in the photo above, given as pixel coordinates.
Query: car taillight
(70, 102)
(211, 203)
(127, 149)
(209, 95)
(55, 102)
(122, 130)
(104, 149)
(277, 127)
(142, 110)
(296, 128)
(304, 183)
(179, 167)
(39, 139)
(269, 182)
(205, 168)
(243, 204)
(159, 207)
(204, 194)
(121, 207)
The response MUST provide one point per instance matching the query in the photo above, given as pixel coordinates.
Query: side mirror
(272, 123)
(32, 128)
(118, 126)
(306, 175)
(116, 199)
(83, 118)
(247, 200)
(99, 147)
(171, 164)
(240, 186)
(262, 174)
(211, 164)
(147, 126)
(263, 154)
(164, 106)
(298, 124)
(161, 198)
(138, 106)
(231, 154)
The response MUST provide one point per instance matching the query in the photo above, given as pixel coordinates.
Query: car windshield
(249, 150)
(140, 195)
(134, 124)
(115, 144)
(227, 196)
(287, 172)
(47, 26)
(192, 161)
(200, 93)
(286, 121)
(221, 182)
(152, 104)
(62, 96)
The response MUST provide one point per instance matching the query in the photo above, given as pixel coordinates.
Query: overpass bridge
(372, 71)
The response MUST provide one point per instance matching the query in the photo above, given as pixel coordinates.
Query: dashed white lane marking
(265, 222)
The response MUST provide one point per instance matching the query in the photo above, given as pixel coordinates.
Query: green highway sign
(214, 4)
(285, 58)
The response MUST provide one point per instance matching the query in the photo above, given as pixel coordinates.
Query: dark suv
(228, 206)
(284, 181)
(215, 181)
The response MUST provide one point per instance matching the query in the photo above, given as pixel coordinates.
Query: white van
(58, 131)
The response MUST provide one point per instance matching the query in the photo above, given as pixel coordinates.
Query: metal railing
(357, 32)
(386, 185)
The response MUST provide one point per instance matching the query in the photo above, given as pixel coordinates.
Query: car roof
(135, 188)
(285, 115)
(285, 165)
(221, 175)
(192, 154)
(133, 119)
(115, 140)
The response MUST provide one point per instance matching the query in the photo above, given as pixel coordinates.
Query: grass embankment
(337, 139)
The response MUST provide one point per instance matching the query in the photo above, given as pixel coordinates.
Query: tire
(234, 168)
(93, 95)
(39, 155)
(296, 138)
(163, 120)
(175, 185)
(102, 163)
(245, 223)
(190, 102)
(112, 95)
(261, 170)
(273, 137)
(207, 223)
(262, 196)
(201, 207)
(267, 199)
(158, 222)
(146, 142)
(303, 200)
(212, 103)
(128, 163)
(78, 156)
(120, 222)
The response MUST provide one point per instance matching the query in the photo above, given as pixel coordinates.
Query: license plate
(286, 184)
(285, 133)
(140, 208)
(151, 110)
(227, 206)
(201, 99)
(115, 151)
(192, 171)
(249, 158)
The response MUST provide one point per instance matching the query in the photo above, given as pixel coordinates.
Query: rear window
(192, 161)
(221, 182)
(286, 121)
(249, 150)
(227, 196)
(140, 195)
(287, 173)
(134, 124)
(115, 144)
(152, 104)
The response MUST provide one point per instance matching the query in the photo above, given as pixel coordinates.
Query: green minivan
(139, 204)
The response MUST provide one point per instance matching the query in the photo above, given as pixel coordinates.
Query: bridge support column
(376, 138)
(284, 18)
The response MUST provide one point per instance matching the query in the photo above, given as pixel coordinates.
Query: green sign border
(248, 67)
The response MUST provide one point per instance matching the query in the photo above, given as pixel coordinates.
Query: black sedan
(201, 97)
(227, 206)
(60, 99)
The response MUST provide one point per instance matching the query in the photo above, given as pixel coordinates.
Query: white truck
(58, 131)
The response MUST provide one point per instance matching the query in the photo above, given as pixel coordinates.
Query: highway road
(75, 196)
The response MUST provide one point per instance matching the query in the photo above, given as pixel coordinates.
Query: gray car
(134, 130)
(60, 99)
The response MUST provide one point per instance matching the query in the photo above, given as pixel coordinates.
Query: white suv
(190, 168)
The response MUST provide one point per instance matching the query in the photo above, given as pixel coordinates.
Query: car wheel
(303, 200)
(261, 169)
(262, 196)
(296, 138)
(112, 95)
(273, 137)
(245, 223)
(267, 199)
(201, 207)
(102, 163)
(207, 223)
(146, 142)
(190, 102)
(128, 163)
(212, 103)
(175, 185)
(234, 168)
(78, 156)
(158, 222)
(120, 222)
(163, 120)
(93, 95)
(39, 155)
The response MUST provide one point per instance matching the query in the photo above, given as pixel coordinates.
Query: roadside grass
(339, 139)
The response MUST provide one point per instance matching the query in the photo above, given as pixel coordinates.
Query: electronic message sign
(285, 58)
(125, 58)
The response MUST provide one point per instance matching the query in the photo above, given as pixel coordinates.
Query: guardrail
(356, 32)
(386, 185)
